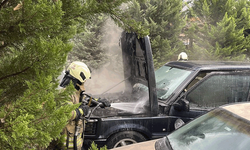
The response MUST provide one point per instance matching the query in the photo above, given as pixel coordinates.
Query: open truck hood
(139, 96)
(139, 66)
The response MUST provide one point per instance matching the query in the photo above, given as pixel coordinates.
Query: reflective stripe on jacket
(71, 142)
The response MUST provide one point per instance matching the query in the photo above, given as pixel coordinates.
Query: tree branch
(14, 74)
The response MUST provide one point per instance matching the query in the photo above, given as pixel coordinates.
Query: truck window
(219, 89)
(199, 77)
(168, 79)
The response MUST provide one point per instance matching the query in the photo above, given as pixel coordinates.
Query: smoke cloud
(107, 78)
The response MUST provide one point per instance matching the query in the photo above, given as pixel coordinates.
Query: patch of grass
(94, 147)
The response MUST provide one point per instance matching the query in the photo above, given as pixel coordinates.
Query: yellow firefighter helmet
(77, 72)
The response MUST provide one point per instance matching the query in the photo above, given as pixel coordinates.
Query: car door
(215, 89)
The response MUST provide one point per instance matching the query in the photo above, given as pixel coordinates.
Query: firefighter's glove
(105, 103)
(85, 109)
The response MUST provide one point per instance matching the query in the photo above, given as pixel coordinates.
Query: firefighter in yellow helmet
(77, 73)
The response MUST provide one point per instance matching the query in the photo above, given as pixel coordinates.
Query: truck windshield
(168, 79)
(219, 129)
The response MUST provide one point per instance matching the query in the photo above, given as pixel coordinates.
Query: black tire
(124, 138)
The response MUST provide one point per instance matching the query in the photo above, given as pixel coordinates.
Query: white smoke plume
(111, 73)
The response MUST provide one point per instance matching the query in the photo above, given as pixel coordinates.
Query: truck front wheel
(124, 138)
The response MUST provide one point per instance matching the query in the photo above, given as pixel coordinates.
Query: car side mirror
(181, 105)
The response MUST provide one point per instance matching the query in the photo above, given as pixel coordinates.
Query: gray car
(226, 127)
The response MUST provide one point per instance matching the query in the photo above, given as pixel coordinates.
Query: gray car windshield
(168, 79)
(216, 130)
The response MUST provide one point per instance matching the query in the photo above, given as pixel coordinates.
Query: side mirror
(181, 105)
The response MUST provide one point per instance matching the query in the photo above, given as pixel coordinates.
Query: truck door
(216, 89)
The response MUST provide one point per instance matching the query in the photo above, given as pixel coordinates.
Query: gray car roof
(240, 109)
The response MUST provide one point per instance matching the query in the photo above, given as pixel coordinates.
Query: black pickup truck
(162, 100)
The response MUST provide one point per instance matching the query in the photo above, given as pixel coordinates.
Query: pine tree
(164, 20)
(88, 44)
(218, 31)
(34, 43)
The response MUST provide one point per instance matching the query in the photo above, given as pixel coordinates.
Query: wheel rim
(124, 142)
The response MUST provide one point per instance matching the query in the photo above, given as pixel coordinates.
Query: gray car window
(217, 130)
(219, 89)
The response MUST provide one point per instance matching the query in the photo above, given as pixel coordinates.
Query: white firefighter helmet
(182, 56)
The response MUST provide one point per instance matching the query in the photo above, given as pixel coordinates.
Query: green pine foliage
(31, 54)
(88, 44)
(217, 31)
(164, 21)
(34, 44)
